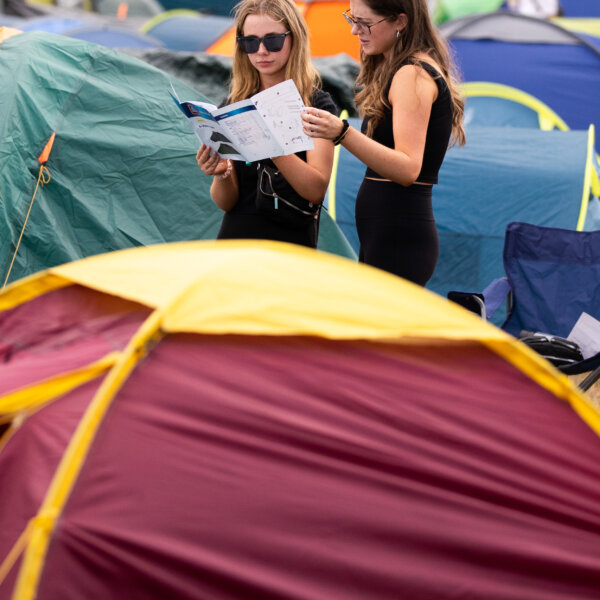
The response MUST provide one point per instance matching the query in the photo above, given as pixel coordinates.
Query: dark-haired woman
(411, 112)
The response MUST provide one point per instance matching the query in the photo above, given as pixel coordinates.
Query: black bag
(559, 351)
(277, 199)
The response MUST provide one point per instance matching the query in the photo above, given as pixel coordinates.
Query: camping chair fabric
(553, 276)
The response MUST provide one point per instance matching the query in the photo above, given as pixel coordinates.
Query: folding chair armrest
(484, 303)
(495, 293)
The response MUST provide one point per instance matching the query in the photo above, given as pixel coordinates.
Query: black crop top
(439, 129)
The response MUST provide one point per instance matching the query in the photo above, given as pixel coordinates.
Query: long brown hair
(419, 36)
(245, 80)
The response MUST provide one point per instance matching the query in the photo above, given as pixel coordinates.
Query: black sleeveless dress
(395, 224)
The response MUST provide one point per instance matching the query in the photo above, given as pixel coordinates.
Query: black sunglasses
(273, 42)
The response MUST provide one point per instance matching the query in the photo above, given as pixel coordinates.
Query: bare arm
(411, 95)
(311, 178)
(224, 189)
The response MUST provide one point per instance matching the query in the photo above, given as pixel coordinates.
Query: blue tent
(580, 8)
(559, 67)
(213, 7)
(113, 36)
(185, 30)
(54, 24)
(501, 175)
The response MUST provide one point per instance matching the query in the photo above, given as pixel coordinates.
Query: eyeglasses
(273, 42)
(359, 24)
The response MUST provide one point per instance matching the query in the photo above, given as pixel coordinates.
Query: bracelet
(227, 172)
(343, 132)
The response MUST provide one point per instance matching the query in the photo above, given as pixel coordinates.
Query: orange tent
(329, 32)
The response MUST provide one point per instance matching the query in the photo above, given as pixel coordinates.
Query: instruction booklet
(267, 124)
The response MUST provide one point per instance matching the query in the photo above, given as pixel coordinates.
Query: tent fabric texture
(121, 171)
(558, 67)
(196, 420)
(502, 174)
(329, 33)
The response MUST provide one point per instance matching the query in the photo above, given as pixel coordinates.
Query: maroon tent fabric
(257, 467)
(52, 334)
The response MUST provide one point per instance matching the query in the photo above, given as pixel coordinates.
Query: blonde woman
(412, 111)
(272, 46)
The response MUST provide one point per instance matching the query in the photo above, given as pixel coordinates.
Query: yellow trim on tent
(590, 25)
(31, 397)
(74, 457)
(548, 119)
(263, 287)
(30, 287)
(587, 179)
(334, 173)
(163, 16)
(269, 288)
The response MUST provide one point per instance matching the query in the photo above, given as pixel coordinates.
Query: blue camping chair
(552, 277)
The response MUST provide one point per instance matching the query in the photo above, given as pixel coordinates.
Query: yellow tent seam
(587, 180)
(22, 291)
(334, 173)
(164, 16)
(74, 456)
(30, 397)
(15, 552)
(595, 177)
(498, 90)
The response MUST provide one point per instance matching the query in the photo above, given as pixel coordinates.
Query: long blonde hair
(419, 36)
(245, 80)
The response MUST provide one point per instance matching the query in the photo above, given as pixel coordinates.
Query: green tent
(446, 10)
(121, 171)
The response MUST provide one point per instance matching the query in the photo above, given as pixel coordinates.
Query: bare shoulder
(414, 77)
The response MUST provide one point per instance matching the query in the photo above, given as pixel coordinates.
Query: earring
(397, 34)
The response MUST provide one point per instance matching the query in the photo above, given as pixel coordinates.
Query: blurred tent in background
(211, 7)
(163, 440)
(114, 36)
(558, 67)
(329, 31)
(447, 10)
(589, 26)
(121, 171)
(186, 30)
(209, 73)
(502, 105)
(580, 8)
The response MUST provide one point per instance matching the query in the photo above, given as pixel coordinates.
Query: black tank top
(439, 128)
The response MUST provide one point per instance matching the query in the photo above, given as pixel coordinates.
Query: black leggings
(396, 229)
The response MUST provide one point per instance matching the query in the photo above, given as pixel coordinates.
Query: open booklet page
(267, 124)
